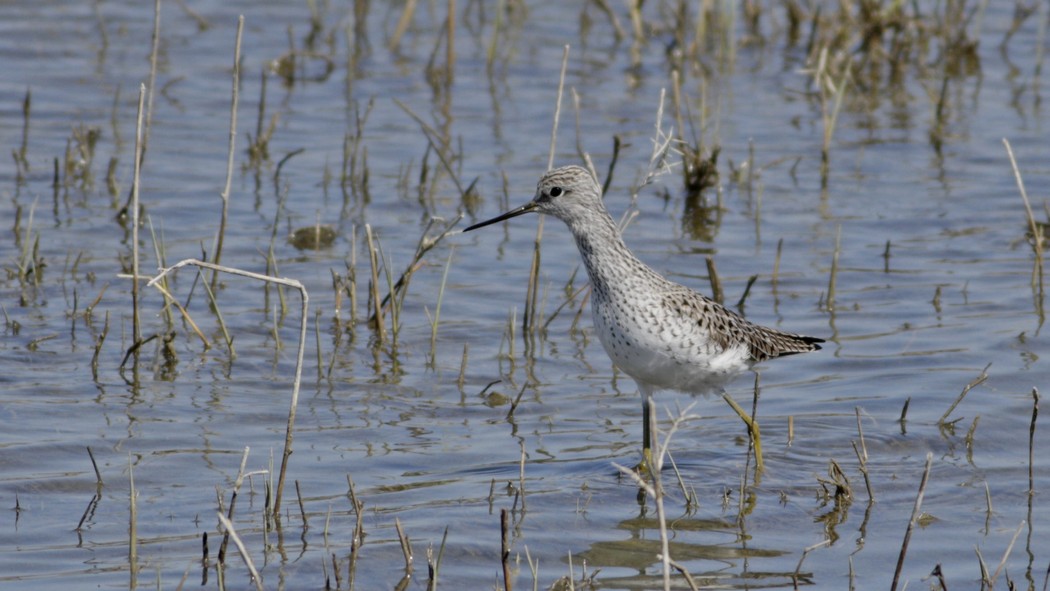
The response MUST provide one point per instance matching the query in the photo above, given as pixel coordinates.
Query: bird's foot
(645, 467)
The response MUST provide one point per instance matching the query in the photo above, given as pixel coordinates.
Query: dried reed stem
(228, 526)
(521, 470)
(528, 318)
(862, 457)
(434, 564)
(829, 302)
(396, 295)
(1006, 554)
(1031, 445)
(504, 528)
(304, 319)
(221, 556)
(406, 546)
(377, 309)
(1033, 228)
(402, 24)
(302, 508)
(805, 552)
(461, 378)
(716, 283)
(911, 522)
(450, 43)
(358, 537)
(225, 195)
(752, 428)
(580, 151)
(829, 118)
(214, 302)
(21, 162)
(747, 291)
(439, 145)
(151, 85)
(98, 348)
(557, 108)
(966, 389)
(775, 279)
(98, 475)
(437, 308)
(685, 574)
(136, 330)
(133, 524)
(655, 489)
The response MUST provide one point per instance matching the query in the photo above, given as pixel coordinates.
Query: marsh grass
(890, 46)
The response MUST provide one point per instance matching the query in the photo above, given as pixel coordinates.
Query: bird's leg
(752, 429)
(648, 429)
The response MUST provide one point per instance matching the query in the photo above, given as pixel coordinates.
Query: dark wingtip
(813, 342)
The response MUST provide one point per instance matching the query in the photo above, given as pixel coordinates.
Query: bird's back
(675, 338)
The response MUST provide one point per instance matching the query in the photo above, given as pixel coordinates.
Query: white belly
(666, 353)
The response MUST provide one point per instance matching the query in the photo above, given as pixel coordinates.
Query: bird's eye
(555, 192)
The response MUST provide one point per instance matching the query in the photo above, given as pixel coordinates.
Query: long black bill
(531, 205)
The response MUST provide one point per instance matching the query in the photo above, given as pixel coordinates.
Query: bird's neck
(608, 261)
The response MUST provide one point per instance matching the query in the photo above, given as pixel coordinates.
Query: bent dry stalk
(304, 319)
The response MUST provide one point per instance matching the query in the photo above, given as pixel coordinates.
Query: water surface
(423, 438)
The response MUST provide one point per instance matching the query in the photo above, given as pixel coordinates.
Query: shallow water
(425, 442)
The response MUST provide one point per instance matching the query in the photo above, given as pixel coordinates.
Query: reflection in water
(701, 217)
(640, 551)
